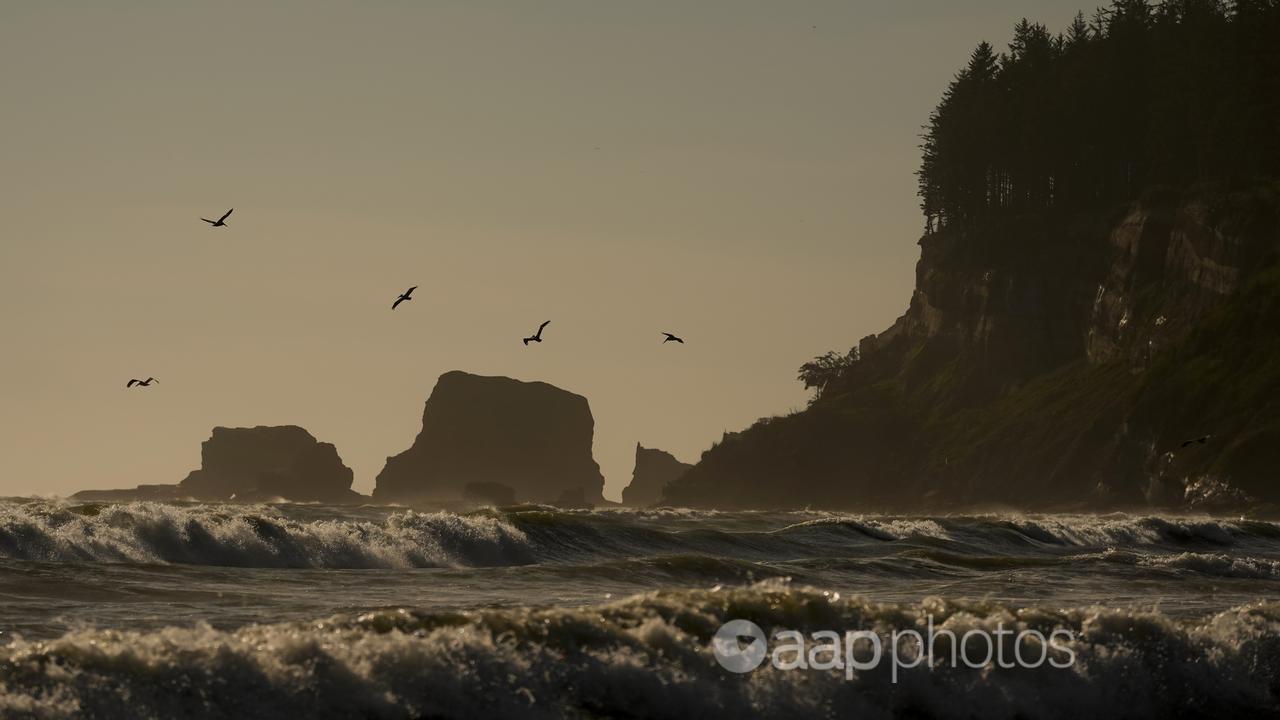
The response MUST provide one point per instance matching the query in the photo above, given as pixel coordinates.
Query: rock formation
(269, 462)
(489, 493)
(251, 465)
(530, 436)
(141, 492)
(654, 469)
(1049, 361)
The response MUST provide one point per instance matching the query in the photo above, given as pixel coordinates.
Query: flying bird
(672, 338)
(220, 222)
(141, 383)
(404, 296)
(1194, 441)
(536, 337)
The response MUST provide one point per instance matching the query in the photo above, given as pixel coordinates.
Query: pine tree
(1184, 92)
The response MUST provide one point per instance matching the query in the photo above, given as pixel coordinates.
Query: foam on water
(644, 656)
(252, 536)
(283, 536)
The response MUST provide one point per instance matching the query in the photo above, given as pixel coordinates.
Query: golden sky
(723, 170)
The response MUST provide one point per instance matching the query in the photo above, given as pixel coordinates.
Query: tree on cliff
(821, 372)
(1184, 92)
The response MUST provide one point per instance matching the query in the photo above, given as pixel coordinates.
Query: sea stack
(257, 464)
(654, 469)
(263, 463)
(532, 437)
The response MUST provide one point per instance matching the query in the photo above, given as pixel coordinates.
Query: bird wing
(409, 292)
(224, 217)
(396, 304)
(542, 326)
(130, 383)
(211, 222)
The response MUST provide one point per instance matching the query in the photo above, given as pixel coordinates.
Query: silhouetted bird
(141, 383)
(404, 296)
(671, 338)
(220, 222)
(536, 337)
(1193, 441)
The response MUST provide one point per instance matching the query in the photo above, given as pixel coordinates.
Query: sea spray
(284, 536)
(252, 536)
(647, 653)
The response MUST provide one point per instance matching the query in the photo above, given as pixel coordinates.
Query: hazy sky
(722, 170)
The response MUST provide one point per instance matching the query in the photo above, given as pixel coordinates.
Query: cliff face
(654, 469)
(268, 462)
(529, 436)
(1170, 265)
(1048, 362)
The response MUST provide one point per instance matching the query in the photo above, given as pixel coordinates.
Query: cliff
(529, 436)
(654, 469)
(1049, 361)
(251, 465)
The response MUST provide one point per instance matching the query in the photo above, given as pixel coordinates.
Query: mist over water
(396, 612)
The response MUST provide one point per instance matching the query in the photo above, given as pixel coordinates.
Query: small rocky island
(254, 465)
(483, 432)
(654, 469)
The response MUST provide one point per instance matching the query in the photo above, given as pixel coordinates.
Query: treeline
(1137, 96)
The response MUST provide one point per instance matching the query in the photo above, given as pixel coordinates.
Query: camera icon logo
(739, 646)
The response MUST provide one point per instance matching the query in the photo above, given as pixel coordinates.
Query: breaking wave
(252, 536)
(294, 536)
(643, 656)
(1057, 530)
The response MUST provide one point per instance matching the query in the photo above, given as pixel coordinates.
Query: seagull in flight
(141, 383)
(536, 337)
(404, 296)
(672, 338)
(1200, 440)
(220, 222)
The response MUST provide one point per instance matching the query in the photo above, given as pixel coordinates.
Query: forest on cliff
(1097, 284)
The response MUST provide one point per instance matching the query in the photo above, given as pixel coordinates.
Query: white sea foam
(275, 536)
(645, 656)
(1067, 530)
(252, 536)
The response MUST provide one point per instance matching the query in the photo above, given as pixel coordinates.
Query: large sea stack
(532, 437)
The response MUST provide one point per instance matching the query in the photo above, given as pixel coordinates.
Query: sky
(737, 172)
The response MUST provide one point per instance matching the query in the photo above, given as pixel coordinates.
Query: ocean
(151, 610)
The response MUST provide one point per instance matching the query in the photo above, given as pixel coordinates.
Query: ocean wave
(1210, 564)
(643, 656)
(886, 530)
(253, 536)
(1040, 531)
(310, 537)
(1220, 565)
